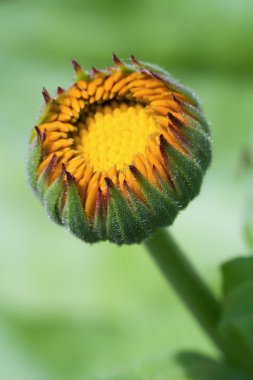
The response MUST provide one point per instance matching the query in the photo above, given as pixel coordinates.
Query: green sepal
(236, 322)
(167, 187)
(178, 87)
(194, 113)
(171, 82)
(80, 73)
(202, 150)
(185, 173)
(47, 109)
(248, 217)
(34, 160)
(42, 180)
(123, 217)
(73, 216)
(236, 273)
(123, 226)
(99, 222)
(162, 205)
(194, 139)
(53, 197)
(147, 218)
(41, 184)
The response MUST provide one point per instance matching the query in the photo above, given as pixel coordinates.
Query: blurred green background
(69, 310)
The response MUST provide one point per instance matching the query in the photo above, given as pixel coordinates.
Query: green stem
(182, 276)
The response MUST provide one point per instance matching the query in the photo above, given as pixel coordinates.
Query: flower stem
(186, 281)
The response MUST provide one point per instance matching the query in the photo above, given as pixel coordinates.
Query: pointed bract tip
(162, 140)
(108, 181)
(173, 96)
(116, 60)
(44, 135)
(174, 119)
(151, 73)
(133, 169)
(40, 136)
(60, 90)
(70, 178)
(177, 100)
(46, 95)
(144, 71)
(126, 185)
(135, 61)
(38, 132)
(75, 65)
(154, 169)
(163, 145)
(63, 169)
(52, 163)
(95, 71)
(156, 75)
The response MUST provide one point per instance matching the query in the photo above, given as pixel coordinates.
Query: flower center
(114, 134)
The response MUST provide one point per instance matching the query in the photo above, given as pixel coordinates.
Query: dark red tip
(162, 145)
(135, 61)
(126, 185)
(156, 75)
(174, 119)
(163, 141)
(176, 126)
(76, 65)
(144, 71)
(70, 178)
(40, 136)
(51, 163)
(154, 170)
(44, 134)
(109, 182)
(116, 60)
(133, 169)
(38, 132)
(60, 90)
(95, 71)
(63, 169)
(151, 73)
(176, 99)
(50, 167)
(46, 95)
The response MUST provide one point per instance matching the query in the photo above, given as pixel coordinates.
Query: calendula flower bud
(119, 153)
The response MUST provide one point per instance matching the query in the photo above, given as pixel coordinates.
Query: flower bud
(119, 153)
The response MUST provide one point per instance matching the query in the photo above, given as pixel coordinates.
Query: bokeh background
(69, 310)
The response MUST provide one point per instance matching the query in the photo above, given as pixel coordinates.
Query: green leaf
(52, 197)
(200, 367)
(237, 273)
(248, 225)
(183, 366)
(73, 216)
(163, 206)
(123, 225)
(34, 159)
(236, 323)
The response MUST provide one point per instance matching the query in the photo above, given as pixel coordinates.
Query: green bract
(119, 153)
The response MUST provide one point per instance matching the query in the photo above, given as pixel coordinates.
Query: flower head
(119, 153)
